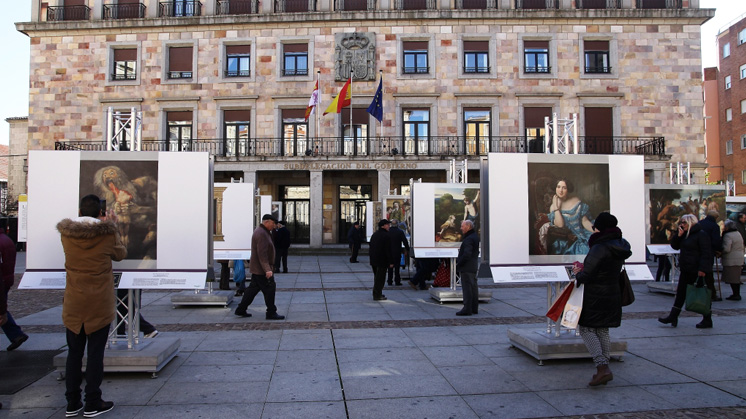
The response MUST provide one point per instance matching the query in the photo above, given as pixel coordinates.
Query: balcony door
(533, 120)
(599, 131)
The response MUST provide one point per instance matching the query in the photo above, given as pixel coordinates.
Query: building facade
(729, 101)
(461, 78)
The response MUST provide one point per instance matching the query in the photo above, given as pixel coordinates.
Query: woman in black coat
(602, 296)
(695, 260)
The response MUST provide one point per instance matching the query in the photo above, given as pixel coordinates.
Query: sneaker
(101, 408)
(73, 408)
(17, 342)
(152, 334)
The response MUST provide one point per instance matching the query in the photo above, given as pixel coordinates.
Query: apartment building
(461, 78)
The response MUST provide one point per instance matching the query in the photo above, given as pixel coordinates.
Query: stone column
(384, 183)
(151, 8)
(317, 205)
(250, 177)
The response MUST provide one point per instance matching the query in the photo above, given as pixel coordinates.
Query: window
(180, 63)
(729, 147)
(179, 130)
(536, 57)
(295, 59)
(743, 106)
(743, 141)
(355, 143)
(731, 177)
(742, 71)
(125, 64)
(238, 60)
(729, 114)
(236, 124)
(742, 36)
(727, 82)
(726, 50)
(597, 57)
(295, 133)
(533, 122)
(743, 177)
(416, 131)
(415, 57)
(476, 59)
(477, 131)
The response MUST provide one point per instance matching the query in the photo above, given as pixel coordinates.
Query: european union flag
(376, 107)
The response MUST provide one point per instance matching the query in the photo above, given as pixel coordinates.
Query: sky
(14, 48)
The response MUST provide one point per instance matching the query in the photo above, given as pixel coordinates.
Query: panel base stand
(447, 295)
(202, 298)
(668, 287)
(542, 345)
(150, 355)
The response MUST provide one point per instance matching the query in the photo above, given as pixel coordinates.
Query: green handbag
(698, 298)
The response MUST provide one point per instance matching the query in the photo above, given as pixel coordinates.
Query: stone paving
(339, 354)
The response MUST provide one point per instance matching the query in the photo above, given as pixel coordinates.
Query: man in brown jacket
(90, 242)
(261, 267)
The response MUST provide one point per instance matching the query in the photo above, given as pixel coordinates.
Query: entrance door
(350, 210)
(296, 209)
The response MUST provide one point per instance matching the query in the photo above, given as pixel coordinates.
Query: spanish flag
(346, 94)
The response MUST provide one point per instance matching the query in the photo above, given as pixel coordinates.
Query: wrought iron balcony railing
(659, 4)
(123, 11)
(237, 7)
(537, 4)
(599, 4)
(415, 5)
(597, 70)
(354, 5)
(383, 146)
(60, 13)
(295, 6)
(476, 70)
(180, 8)
(537, 69)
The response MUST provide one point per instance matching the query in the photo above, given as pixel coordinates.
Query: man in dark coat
(380, 257)
(354, 239)
(7, 276)
(710, 226)
(741, 225)
(398, 239)
(262, 272)
(281, 238)
(467, 265)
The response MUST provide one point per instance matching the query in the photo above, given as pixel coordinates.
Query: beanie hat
(604, 221)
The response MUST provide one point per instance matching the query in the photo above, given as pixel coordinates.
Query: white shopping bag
(571, 315)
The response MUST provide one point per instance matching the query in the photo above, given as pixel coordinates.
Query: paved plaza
(339, 354)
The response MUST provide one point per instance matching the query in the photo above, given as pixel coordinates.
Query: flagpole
(352, 134)
(318, 102)
(380, 123)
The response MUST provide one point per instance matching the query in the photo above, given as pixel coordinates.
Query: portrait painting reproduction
(400, 209)
(130, 189)
(454, 204)
(668, 204)
(564, 200)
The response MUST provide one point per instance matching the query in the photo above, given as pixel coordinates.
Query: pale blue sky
(14, 48)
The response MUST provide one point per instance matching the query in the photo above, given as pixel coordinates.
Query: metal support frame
(130, 321)
(730, 188)
(680, 173)
(119, 123)
(561, 134)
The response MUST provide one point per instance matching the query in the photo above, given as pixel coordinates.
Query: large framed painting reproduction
(163, 213)
(668, 203)
(542, 208)
(440, 210)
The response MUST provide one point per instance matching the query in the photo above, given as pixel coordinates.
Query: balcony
(415, 5)
(179, 8)
(386, 146)
(237, 7)
(536, 4)
(295, 6)
(354, 5)
(60, 13)
(123, 11)
(476, 4)
(599, 4)
(659, 4)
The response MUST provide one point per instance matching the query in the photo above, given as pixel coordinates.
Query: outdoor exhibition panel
(163, 212)
(234, 223)
(441, 207)
(529, 242)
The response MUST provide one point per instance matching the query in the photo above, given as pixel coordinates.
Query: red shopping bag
(555, 311)
(443, 275)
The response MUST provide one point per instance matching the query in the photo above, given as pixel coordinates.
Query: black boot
(706, 322)
(672, 318)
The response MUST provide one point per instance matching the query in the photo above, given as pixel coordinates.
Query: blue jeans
(11, 329)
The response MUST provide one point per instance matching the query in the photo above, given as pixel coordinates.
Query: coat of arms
(355, 56)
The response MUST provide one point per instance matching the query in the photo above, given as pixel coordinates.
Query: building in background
(461, 78)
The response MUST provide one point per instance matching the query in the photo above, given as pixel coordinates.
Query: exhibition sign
(441, 207)
(163, 211)
(233, 226)
(542, 208)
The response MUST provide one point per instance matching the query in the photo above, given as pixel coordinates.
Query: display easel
(665, 250)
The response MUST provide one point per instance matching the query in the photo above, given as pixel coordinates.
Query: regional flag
(376, 107)
(346, 95)
(314, 100)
